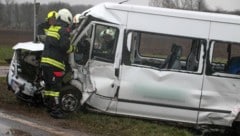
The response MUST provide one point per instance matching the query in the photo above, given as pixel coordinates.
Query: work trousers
(53, 82)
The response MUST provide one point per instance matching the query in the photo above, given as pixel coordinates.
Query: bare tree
(8, 12)
(80, 8)
(27, 16)
(1, 12)
(155, 3)
(20, 16)
(58, 5)
(237, 12)
(177, 4)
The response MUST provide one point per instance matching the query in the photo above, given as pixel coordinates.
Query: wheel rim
(69, 102)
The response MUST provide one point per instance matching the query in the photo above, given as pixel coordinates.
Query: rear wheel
(70, 99)
(234, 130)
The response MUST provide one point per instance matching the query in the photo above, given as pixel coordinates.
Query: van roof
(195, 24)
(99, 11)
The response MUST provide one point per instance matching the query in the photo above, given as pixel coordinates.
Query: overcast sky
(213, 4)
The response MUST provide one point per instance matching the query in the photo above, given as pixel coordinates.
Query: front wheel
(70, 99)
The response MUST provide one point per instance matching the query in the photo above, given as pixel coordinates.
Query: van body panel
(225, 32)
(159, 94)
(101, 13)
(102, 103)
(174, 26)
(151, 111)
(102, 76)
(196, 15)
(171, 90)
(222, 95)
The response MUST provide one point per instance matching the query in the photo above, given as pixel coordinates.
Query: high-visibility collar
(53, 62)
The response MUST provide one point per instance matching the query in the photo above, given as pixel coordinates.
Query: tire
(235, 129)
(70, 99)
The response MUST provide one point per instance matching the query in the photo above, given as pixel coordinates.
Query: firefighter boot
(57, 114)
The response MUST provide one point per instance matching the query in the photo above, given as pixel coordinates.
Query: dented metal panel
(172, 91)
(100, 12)
(103, 77)
(220, 100)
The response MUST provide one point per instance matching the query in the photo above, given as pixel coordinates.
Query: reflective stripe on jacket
(53, 62)
(53, 32)
(56, 45)
(51, 93)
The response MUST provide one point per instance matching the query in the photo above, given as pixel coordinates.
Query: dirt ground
(11, 37)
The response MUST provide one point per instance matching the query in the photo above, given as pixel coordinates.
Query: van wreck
(146, 62)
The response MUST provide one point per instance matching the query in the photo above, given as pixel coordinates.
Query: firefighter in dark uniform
(55, 53)
(43, 27)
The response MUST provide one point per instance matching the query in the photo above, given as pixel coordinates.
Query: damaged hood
(31, 46)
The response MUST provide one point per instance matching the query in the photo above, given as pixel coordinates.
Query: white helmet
(77, 18)
(107, 35)
(65, 15)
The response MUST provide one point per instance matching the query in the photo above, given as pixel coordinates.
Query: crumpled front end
(82, 81)
(23, 70)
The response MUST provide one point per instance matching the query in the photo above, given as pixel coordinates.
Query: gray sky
(213, 4)
(92, 2)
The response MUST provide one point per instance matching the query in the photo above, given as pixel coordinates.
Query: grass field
(6, 52)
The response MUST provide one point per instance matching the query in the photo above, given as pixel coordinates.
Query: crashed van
(162, 64)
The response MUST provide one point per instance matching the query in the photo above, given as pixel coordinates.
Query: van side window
(105, 43)
(165, 52)
(226, 58)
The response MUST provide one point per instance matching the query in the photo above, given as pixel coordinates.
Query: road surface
(14, 125)
(3, 71)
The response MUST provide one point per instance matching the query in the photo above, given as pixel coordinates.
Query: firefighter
(107, 40)
(76, 22)
(54, 58)
(43, 27)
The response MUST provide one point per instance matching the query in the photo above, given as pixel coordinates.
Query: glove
(71, 49)
(42, 38)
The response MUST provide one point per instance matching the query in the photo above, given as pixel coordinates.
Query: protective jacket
(43, 28)
(56, 46)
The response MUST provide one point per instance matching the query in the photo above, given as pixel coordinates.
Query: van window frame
(209, 70)
(100, 58)
(202, 53)
(92, 25)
